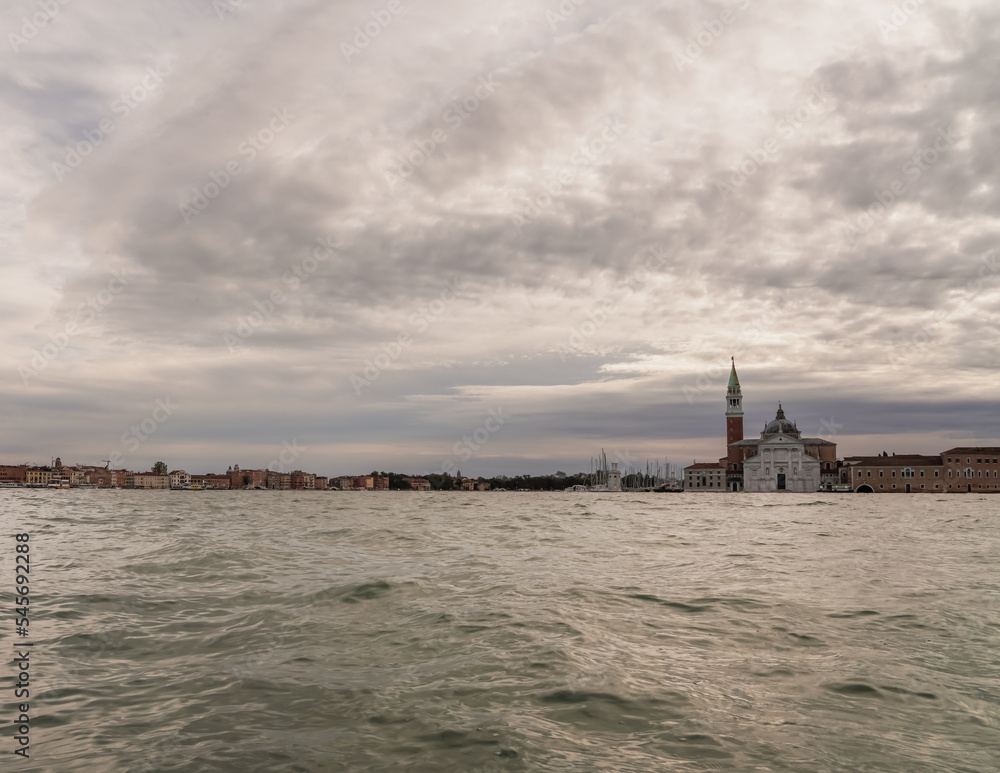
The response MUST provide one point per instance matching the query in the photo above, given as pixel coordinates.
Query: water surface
(491, 632)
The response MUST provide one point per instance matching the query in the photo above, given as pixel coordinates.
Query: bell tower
(734, 408)
(734, 432)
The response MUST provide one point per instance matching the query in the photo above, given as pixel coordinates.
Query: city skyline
(363, 228)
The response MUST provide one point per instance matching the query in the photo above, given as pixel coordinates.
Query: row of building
(782, 460)
(85, 476)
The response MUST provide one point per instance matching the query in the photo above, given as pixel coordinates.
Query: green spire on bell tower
(734, 396)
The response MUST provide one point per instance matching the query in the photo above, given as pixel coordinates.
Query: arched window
(907, 472)
(969, 473)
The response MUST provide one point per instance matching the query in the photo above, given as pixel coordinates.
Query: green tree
(160, 468)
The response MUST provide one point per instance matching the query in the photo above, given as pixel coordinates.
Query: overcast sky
(359, 227)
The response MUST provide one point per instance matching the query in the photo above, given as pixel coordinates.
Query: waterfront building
(38, 476)
(418, 484)
(972, 469)
(148, 480)
(102, 477)
(886, 474)
(246, 478)
(302, 480)
(13, 473)
(179, 479)
(705, 476)
(967, 469)
(281, 481)
(211, 481)
(780, 459)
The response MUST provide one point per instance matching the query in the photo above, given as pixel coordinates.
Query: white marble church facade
(781, 464)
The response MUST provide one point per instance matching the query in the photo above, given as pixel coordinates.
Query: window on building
(936, 473)
(881, 473)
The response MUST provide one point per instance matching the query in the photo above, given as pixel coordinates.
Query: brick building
(247, 478)
(964, 469)
(13, 473)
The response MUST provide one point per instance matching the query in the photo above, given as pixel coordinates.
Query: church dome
(781, 425)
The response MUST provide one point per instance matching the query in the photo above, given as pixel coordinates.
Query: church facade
(780, 459)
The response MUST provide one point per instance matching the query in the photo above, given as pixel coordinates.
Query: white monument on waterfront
(614, 478)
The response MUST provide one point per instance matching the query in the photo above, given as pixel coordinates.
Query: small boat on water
(59, 483)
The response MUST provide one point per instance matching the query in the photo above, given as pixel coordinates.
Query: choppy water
(252, 631)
